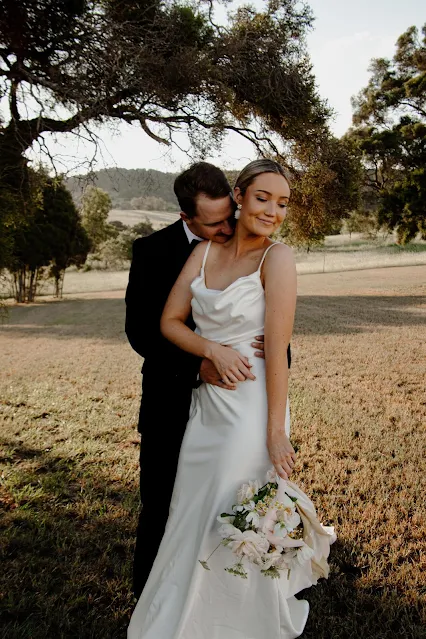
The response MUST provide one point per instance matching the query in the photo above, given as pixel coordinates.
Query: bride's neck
(244, 241)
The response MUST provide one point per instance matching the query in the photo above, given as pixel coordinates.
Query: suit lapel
(180, 248)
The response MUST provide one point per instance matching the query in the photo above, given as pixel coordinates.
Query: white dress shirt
(189, 234)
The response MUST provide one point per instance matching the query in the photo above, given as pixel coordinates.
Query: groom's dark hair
(201, 177)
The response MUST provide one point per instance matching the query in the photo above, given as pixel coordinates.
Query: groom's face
(213, 219)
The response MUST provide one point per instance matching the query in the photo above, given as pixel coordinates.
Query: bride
(237, 290)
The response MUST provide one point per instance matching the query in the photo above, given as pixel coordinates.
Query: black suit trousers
(163, 418)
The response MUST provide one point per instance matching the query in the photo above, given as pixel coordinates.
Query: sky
(346, 36)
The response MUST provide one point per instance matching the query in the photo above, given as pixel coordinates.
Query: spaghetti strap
(265, 253)
(206, 252)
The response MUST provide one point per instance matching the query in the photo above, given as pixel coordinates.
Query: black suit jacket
(157, 261)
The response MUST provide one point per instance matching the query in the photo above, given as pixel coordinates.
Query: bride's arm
(280, 299)
(231, 365)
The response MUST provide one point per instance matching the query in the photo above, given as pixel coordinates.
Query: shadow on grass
(103, 319)
(66, 548)
(342, 608)
(350, 314)
(82, 318)
(66, 553)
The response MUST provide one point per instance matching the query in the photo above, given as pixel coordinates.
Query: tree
(361, 221)
(69, 243)
(95, 208)
(118, 225)
(52, 236)
(390, 130)
(117, 250)
(325, 188)
(163, 64)
(144, 228)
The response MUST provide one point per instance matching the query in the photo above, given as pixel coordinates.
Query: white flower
(227, 530)
(271, 476)
(286, 560)
(287, 502)
(253, 518)
(249, 544)
(280, 530)
(226, 519)
(304, 553)
(289, 517)
(247, 491)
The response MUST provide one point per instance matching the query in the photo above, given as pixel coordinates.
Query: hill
(125, 185)
(134, 189)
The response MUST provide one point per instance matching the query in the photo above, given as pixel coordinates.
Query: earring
(238, 212)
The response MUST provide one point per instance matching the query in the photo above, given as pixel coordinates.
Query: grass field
(339, 253)
(69, 388)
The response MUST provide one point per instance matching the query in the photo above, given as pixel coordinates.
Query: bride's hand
(281, 452)
(230, 364)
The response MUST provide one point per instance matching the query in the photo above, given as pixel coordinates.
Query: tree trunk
(61, 284)
(21, 288)
(32, 286)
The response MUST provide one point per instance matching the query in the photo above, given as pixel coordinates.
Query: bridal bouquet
(265, 529)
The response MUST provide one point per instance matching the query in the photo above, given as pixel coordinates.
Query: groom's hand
(209, 375)
(259, 345)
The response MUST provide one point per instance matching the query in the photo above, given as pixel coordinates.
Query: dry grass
(132, 217)
(340, 253)
(69, 388)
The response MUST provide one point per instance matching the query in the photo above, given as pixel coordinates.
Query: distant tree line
(140, 189)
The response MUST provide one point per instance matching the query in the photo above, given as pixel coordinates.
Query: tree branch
(152, 135)
(13, 102)
(417, 108)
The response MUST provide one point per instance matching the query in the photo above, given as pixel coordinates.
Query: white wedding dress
(224, 447)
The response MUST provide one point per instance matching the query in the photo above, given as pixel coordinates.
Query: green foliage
(390, 119)
(115, 251)
(95, 208)
(324, 190)
(404, 206)
(361, 221)
(52, 236)
(116, 226)
(142, 229)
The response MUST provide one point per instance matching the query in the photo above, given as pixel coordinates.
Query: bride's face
(264, 204)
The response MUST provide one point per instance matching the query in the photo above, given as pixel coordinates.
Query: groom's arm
(142, 301)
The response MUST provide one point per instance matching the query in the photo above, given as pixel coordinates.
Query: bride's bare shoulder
(279, 253)
(279, 263)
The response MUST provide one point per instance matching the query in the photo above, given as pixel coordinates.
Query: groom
(169, 374)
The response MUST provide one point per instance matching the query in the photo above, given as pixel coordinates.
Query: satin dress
(224, 447)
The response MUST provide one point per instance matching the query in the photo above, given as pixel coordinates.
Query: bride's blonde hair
(250, 172)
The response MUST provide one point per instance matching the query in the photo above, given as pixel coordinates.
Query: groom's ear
(183, 216)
